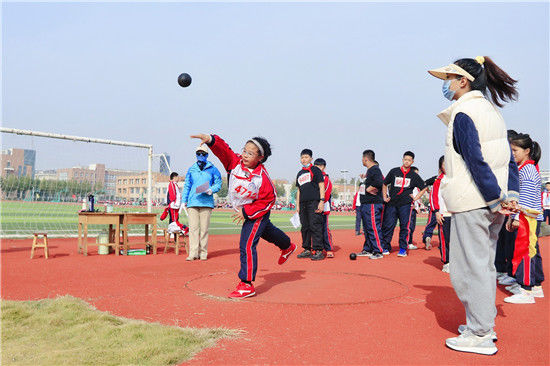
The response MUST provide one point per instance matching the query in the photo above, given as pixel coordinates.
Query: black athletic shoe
(318, 256)
(305, 254)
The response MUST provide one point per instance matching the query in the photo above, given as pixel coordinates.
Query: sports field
(394, 311)
(60, 219)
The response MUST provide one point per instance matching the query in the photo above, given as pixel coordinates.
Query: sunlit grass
(69, 331)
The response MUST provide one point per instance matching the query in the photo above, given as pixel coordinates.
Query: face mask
(305, 165)
(202, 158)
(447, 92)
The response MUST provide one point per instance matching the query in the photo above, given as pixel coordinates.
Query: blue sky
(336, 78)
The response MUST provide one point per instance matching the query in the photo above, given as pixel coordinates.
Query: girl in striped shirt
(529, 274)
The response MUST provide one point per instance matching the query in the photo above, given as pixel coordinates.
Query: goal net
(46, 181)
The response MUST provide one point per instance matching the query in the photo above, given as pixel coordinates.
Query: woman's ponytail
(535, 152)
(500, 84)
(487, 75)
(524, 141)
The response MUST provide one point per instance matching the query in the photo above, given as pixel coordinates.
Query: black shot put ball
(184, 80)
(353, 256)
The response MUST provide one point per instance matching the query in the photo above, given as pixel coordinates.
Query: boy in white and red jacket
(327, 235)
(173, 199)
(252, 195)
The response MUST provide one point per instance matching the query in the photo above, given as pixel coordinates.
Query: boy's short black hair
(173, 175)
(441, 161)
(307, 152)
(409, 153)
(369, 154)
(320, 162)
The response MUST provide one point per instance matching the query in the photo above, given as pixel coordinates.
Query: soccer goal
(48, 178)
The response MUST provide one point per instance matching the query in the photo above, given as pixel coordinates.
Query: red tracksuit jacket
(250, 191)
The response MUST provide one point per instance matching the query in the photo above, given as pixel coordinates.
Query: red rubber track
(336, 311)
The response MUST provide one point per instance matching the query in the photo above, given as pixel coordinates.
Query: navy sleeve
(513, 179)
(317, 175)
(377, 179)
(389, 178)
(466, 141)
(419, 183)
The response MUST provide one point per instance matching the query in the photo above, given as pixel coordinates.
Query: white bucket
(103, 238)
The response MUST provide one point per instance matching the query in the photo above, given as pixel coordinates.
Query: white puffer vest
(457, 187)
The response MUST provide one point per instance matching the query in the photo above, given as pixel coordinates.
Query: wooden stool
(36, 244)
(177, 244)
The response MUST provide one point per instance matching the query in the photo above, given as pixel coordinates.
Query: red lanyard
(404, 176)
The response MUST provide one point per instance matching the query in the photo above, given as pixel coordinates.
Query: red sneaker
(286, 253)
(185, 230)
(243, 290)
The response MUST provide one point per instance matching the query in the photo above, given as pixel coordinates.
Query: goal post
(38, 202)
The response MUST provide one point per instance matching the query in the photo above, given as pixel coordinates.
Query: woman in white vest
(480, 187)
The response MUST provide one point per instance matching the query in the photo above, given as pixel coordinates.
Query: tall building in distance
(18, 162)
(165, 164)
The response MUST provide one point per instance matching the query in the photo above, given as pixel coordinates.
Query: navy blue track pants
(430, 226)
(327, 235)
(358, 219)
(444, 238)
(505, 250)
(391, 214)
(251, 233)
(529, 272)
(412, 225)
(371, 216)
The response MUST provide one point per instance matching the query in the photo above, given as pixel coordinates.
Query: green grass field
(60, 219)
(69, 331)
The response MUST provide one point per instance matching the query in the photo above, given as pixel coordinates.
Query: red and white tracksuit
(252, 192)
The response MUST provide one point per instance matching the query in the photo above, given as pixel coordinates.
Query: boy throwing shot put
(252, 195)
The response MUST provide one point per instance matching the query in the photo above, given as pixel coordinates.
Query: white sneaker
(514, 289)
(463, 327)
(507, 280)
(524, 297)
(468, 342)
(537, 291)
(445, 268)
(412, 247)
(428, 243)
(501, 275)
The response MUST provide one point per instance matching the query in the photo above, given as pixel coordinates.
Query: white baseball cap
(202, 147)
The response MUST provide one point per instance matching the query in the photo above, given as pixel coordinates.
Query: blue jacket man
(202, 180)
(194, 178)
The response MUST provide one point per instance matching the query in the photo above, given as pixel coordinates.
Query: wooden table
(135, 218)
(99, 218)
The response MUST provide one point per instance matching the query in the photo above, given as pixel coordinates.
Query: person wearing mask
(202, 180)
(480, 186)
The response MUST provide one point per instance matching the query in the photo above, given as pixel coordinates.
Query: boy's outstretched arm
(220, 148)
